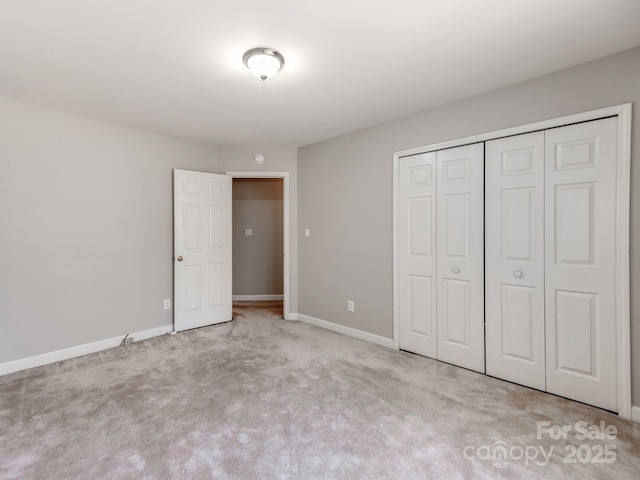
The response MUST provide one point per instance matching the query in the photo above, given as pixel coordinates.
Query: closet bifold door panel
(514, 258)
(460, 253)
(416, 254)
(441, 255)
(580, 281)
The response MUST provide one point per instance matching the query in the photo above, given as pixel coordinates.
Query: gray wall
(346, 188)
(276, 160)
(257, 259)
(85, 228)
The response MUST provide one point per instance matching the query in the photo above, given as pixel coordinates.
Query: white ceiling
(175, 66)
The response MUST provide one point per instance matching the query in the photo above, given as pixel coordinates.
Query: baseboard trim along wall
(79, 350)
(352, 332)
(635, 414)
(257, 298)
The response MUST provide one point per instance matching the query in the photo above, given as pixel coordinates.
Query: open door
(202, 249)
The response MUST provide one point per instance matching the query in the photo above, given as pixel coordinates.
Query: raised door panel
(455, 313)
(460, 256)
(216, 226)
(192, 288)
(417, 265)
(420, 213)
(518, 224)
(574, 223)
(580, 262)
(456, 223)
(518, 324)
(514, 239)
(420, 305)
(216, 285)
(191, 226)
(577, 328)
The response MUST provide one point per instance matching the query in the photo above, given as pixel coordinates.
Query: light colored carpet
(262, 397)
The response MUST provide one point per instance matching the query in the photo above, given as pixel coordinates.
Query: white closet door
(580, 278)
(460, 252)
(417, 257)
(514, 259)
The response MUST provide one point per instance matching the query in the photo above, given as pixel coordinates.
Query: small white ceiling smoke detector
(259, 158)
(263, 62)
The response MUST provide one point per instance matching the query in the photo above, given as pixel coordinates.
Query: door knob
(517, 274)
(455, 270)
(180, 258)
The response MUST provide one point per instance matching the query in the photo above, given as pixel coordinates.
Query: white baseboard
(291, 316)
(635, 414)
(77, 351)
(256, 298)
(351, 332)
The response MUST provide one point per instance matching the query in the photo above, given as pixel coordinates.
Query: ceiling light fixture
(262, 62)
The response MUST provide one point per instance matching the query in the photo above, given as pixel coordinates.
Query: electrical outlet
(351, 306)
(167, 303)
(128, 340)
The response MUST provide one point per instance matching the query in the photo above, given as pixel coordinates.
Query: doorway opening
(257, 243)
(261, 241)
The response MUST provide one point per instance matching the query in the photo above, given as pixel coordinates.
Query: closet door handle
(455, 270)
(517, 274)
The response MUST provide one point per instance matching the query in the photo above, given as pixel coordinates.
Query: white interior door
(417, 257)
(514, 259)
(460, 252)
(580, 277)
(202, 247)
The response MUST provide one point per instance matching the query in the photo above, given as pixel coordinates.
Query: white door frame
(285, 238)
(623, 170)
